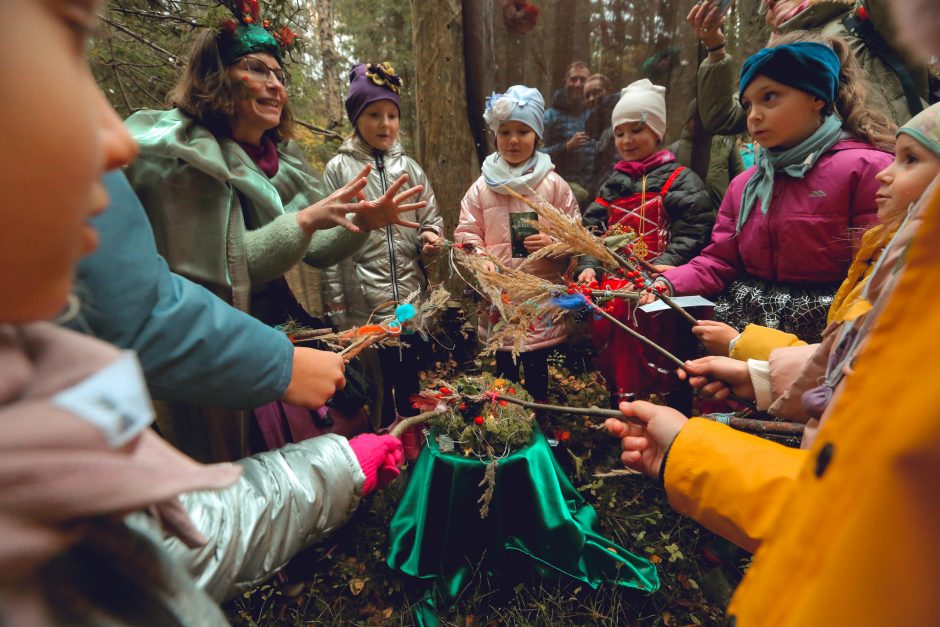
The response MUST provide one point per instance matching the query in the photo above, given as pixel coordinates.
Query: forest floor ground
(345, 580)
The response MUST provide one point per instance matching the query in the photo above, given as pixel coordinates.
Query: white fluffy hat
(642, 101)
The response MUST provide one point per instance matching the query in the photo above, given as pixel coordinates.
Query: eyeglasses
(259, 71)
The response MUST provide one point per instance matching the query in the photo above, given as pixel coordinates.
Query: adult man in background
(566, 142)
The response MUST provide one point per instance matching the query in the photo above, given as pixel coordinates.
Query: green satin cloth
(537, 520)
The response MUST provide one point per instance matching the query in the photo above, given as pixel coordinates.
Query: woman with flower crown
(486, 219)
(232, 202)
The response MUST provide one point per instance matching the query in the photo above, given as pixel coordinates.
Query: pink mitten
(380, 457)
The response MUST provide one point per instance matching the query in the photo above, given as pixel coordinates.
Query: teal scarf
(794, 162)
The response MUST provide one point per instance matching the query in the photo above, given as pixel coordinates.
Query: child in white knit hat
(667, 208)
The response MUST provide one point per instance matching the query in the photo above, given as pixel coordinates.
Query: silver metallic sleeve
(285, 501)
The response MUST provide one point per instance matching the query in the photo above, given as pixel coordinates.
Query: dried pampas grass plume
(573, 238)
(523, 300)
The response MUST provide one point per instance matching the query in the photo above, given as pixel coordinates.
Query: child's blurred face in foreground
(58, 136)
(905, 180)
(515, 142)
(635, 141)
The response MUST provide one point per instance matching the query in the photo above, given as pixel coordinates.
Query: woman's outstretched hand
(368, 214)
(644, 445)
(387, 208)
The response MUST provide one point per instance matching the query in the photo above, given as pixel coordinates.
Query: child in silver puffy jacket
(389, 266)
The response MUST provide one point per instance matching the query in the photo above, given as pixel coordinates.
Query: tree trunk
(443, 139)
(612, 38)
(563, 40)
(752, 31)
(329, 61)
(480, 60)
(581, 37)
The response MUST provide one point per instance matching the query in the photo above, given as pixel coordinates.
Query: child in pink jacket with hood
(495, 221)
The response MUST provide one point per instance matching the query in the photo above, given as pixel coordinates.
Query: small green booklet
(519, 229)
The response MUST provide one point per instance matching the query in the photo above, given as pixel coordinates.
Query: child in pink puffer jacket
(487, 220)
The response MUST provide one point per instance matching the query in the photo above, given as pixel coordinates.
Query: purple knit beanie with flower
(370, 83)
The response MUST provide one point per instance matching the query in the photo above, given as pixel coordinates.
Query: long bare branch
(319, 130)
(170, 57)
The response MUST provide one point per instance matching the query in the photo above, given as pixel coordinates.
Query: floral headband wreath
(248, 33)
(383, 75)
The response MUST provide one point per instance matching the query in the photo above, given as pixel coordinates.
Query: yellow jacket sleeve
(733, 483)
(757, 342)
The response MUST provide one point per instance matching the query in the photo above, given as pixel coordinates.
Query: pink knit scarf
(638, 169)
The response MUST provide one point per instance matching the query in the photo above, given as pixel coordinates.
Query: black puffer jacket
(690, 211)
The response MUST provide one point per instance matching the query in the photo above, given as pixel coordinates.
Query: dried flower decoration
(251, 11)
(383, 75)
(519, 16)
(499, 107)
(248, 32)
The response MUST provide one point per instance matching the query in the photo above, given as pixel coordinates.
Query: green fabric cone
(535, 514)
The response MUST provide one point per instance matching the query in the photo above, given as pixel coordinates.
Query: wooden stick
(679, 363)
(349, 353)
(402, 426)
(595, 412)
(741, 424)
(308, 334)
(621, 294)
(764, 426)
(626, 265)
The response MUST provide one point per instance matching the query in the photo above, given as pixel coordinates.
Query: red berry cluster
(584, 289)
(285, 36)
(251, 11)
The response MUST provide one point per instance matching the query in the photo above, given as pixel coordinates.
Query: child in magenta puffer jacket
(785, 231)
(486, 218)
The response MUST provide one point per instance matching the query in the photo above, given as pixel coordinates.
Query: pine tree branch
(153, 15)
(171, 58)
(141, 88)
(117, 78)
(319, 130)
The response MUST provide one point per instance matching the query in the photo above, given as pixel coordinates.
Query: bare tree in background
(571, 37)
(443, 139)
(329, 61)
